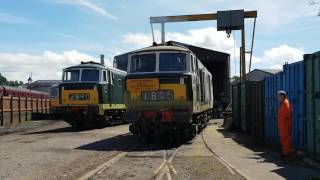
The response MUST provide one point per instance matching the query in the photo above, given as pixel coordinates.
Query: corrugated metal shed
(42, 85)
(293, 84)
(259, 74)
(312, 102)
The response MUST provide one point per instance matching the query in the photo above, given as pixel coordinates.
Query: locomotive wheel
(146, 132)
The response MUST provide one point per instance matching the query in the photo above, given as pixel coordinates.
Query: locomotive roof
(95, 65)
(162, 48)
(89, 64)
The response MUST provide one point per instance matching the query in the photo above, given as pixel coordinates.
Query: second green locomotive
(169, 94)
(92, 94)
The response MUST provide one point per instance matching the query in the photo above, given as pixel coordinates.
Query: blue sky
(47, 35)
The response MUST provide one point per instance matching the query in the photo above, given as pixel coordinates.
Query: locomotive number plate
(165, 95)
(79, 97)
(151, 84)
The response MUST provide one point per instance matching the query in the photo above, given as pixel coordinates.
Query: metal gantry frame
(212, 16)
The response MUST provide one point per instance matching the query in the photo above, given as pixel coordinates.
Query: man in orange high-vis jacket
(285, 123)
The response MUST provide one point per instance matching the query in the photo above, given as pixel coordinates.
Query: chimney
(102, 59)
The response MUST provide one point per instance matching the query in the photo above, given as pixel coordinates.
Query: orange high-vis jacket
(285, 126)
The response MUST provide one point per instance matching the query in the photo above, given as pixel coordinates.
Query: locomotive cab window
(71, 75)
(105, 76)
(110, 77)
(143, 63)
(90, 75)
(54, 92)
(172, 62)
(120, 82)
(192, 66)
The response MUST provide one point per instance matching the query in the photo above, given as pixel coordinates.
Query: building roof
(255, 76)
(271, 71)
(39, 84)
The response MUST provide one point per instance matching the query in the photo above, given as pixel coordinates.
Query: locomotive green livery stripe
(113, 106)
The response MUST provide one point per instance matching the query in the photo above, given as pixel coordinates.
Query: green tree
(5, 82)
(235, 77)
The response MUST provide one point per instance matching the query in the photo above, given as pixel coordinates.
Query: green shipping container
(236, 106)
(252, 109)
(312, 103)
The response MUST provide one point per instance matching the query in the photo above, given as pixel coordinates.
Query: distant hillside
(5, 82)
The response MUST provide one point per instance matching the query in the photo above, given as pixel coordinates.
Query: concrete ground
(190, 161)
(255, 160)
(56, 151)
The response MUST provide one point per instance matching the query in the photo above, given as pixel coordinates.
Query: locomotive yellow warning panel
(151, 84)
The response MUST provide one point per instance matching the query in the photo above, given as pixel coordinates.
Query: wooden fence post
(11, 110)
(37, 100)
(26, 108)
(31, 104)
(19, 108)
(41, 100)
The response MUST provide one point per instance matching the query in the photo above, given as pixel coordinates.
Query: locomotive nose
(85, 96)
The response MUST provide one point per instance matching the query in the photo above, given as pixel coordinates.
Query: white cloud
(205, 37)
(47, 65)
(96, 8)
(276, 57)
(88, 4)
(209, 38)
(13, 19)
(273, 58)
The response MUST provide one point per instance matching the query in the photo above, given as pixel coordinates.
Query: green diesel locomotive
(92, 94)
(169, 93)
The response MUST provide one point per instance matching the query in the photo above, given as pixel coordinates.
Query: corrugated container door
(254, 108)
(312, 103)
(243, 111)
(252, 98)
(236, 106)
(293, 82)
(259, 109)
(268, 108)
(272, 85)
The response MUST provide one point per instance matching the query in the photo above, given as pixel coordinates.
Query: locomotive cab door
(110, 87)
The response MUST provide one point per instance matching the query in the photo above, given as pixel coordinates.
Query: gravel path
(56, 151)
(27, 125)
(189, 161)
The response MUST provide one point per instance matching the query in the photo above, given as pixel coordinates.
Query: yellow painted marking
(151, 84)
(178, 89)
(92, 100)
(113, 106)
(54, 102)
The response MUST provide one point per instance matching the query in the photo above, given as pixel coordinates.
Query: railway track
(166, 167)
(107, 164)
(162, 171)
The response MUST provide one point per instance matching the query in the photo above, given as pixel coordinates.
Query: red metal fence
(14, 110)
